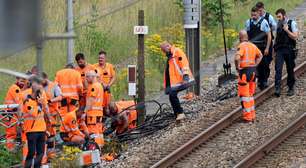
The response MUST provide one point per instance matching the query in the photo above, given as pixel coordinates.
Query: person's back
(70, 82)
(130, 112)
(248, 52)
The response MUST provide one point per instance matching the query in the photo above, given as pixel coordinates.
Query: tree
(211, 13)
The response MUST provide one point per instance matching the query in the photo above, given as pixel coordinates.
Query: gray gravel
(238, 140)
(289, 154)
(205, 110)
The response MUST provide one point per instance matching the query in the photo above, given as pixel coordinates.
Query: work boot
(277, 92)
(290, 92)
(180, 117)
(265, 85)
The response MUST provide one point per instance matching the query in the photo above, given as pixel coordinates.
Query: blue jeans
(175, 103)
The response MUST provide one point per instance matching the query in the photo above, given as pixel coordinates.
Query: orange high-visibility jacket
(132, 114)
(83, 72)
(248, 53)
(53, 107)
(178, 66)
(12, 95)
(95, 91)
(70, 82)
(82, 123)
(70, 125)
(105, 73)
(33, 115)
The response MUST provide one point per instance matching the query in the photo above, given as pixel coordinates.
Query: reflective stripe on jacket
(53, 107)
(248, 53)
(95, 92)
(178, 66)
(33, 116)
(70, 82)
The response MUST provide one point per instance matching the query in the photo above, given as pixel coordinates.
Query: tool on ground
(227, 76)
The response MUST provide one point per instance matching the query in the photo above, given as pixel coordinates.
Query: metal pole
(70, 42)
(224, 40)
(197, 61)
(141, 70)
(193, 44)
(39, 57)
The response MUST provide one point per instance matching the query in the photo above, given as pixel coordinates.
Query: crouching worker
(72, 124)
(247, 58)
(124, 116)
(177, 76)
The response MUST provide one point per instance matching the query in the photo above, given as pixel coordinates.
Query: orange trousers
(246, 91)
(10, 131)
(95, 126)
(107, 97)
(11, 135)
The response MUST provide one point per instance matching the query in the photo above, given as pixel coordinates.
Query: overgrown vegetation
(7, 158)
(114, 34)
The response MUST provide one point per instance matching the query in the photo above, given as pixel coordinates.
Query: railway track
(295, 129)
(197, 142)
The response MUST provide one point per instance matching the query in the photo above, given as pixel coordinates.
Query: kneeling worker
(124, 116)
(247, 58)
(71, 131)
(178, 76)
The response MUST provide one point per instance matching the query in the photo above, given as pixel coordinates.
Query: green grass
(119, 31)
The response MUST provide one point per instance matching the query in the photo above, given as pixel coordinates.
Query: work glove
(169, 55)
(107, 88)
(186, 77)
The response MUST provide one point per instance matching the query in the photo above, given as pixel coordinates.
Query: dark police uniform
(257, 32)
(285, 48)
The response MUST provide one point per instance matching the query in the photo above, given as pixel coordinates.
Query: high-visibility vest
(53, 107)
(132, 113)
(83, 72)
(178, 66)
(95, 91)
(70, 82)
(82, 123)
(33, 116)
(12, 95)
(70, 125)
(106, 73)
(248, 53)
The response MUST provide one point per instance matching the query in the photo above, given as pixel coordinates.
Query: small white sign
(132, 89)
(141, 29)
(132, 75)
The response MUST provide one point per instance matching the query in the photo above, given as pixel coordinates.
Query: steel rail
(265, 148)
(220, 125)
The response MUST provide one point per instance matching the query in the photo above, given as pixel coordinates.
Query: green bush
(8, 158)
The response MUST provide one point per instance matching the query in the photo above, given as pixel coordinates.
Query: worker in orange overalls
(35, 114)
(71, 128)
(177, 77)
(247, 58)
(124, 115)
(54, 97)
(70, 82)
(83, 67)
(107, 76)
(12, 97)
(94, 107)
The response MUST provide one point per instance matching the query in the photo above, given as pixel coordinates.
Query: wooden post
(141, 70)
